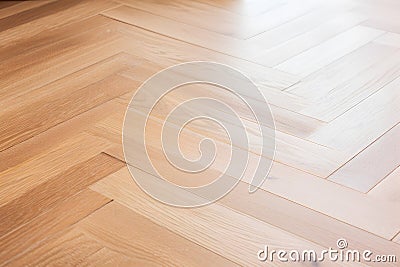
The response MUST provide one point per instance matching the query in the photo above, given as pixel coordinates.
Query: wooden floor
(329, 69)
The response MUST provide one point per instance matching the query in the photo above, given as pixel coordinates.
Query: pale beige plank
(390, 38)
(293, 28)
(219, 20)
(347, 95)
(247, 8)
(371, 165)
(128, 233)
(297, 45)
(320, 83)
(353, 130)
(329, 51)
(397, 238)
(177, 30)
(388, 188)
(285, 121)
(175, 52)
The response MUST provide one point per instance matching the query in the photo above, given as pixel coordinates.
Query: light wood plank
(48, 140)
(65, 104)
(54, 190)
(295, 46)
(311, 60)
(77, 10)
(350, 93)
(320, 83)
(388, 188)
(219, 20)
(142, 240)
(372, 165)
(293, 28)
(72, 248)
(390, 38)
(22, 178)
(32, 71)
(304, 189)
(175, 52)
(48, 225)
(206, 226)
(177, 30)
(353, 131)
(397, 238)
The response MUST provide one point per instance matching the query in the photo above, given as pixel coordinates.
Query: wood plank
(311, 60)
(285, 121)
(31, 69)
(22, 178)
(372, 165)
(108, 257)
(320, 83)
(305, 189)
(175, 51)
(295, 46)
(282, 102)
(397, 238)
(72, 248)
(77, 11)
(390, 38)
(55, 190)
(288, 148)
(50, 224)
(387, 189)
(129, 233)
(26, 46)
(34, 13)
(293, 28)
(65, 104)
(177, 30)
(248, 8)
(48, 140)
(350, 93)
(207, 225)
(219, 20)
(352, 131)
(9, 8)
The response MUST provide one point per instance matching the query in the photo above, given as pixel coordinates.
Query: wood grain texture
(140, 244)
(49, 224)
(328, 69)
(54, 190)
(220, 236)
(280, 176)
(373, 164)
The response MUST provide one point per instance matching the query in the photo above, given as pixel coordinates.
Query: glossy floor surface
(329, 69)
